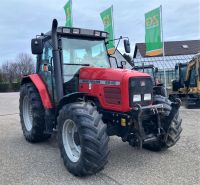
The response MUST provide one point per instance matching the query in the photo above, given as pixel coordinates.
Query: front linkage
(168, 126)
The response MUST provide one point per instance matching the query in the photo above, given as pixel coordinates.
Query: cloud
(21, 20)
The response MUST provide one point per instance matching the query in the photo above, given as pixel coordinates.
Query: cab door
(46, 68)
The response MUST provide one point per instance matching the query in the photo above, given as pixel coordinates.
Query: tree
(5, 71)
(25, 64)
(1, 75)
(12, 71)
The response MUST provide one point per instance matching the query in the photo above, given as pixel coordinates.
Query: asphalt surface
(25, 163)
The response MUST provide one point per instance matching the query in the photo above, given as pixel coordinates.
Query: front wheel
(83, 140)
(172, 135)
(170, 138)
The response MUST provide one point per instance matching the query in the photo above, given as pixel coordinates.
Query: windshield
(182, 73)
(81, 52)
(85, 52)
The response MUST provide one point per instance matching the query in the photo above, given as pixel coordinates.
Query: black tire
(36, 133)
(160, 90)
(92, 136)
(158, 99)
(187, 103)
(172, 133)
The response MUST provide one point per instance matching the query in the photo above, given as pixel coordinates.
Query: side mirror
(127, 46)
(156, 70)
(37, 46)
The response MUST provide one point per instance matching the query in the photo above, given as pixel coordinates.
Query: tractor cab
(187, 84)
(180, 72)
(149, 69)
(69, 49)
(186, 75)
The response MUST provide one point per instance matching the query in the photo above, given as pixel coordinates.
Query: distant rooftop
(172, 48)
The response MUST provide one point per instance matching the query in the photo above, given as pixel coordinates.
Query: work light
(66, 30)
(137, 98)
(147, 97)
(97, 33)
(76, 31)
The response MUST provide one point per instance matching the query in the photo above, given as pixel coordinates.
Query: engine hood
(93, 73)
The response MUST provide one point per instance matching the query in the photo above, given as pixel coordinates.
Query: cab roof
(78, 32)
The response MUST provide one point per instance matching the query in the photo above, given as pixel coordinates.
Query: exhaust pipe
(56, 62)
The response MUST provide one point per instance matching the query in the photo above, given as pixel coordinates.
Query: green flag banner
(153, 33)
(68, 13)
(107, 18)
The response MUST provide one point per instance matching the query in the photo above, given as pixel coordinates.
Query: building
(175, 52)
(117, 58)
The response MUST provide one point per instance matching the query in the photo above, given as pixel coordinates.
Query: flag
(153, 33)
(107, 18)
(68, 13)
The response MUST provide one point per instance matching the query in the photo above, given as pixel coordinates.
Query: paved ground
(25, 163)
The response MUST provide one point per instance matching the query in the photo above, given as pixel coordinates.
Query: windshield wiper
(77, 64)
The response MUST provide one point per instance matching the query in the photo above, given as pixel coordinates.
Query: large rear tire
(172, 133)
(32, 114)
(83, 140)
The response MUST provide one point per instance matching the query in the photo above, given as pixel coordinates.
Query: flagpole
(113, 24)
(71, 13)
(163, 49)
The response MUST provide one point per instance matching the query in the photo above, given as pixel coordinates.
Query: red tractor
(76, 92)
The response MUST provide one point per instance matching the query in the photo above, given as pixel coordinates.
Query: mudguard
(41, 87)
(70, 98)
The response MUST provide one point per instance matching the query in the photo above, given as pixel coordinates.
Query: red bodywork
(108, 74)
(42, 89)
(107, 94)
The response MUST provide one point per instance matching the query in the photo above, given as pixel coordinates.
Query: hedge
(6, 87)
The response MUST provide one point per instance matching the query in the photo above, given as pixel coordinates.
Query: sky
(22, 20)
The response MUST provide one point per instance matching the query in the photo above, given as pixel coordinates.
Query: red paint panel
(108, 73)
(112, 95)
(97, 90)
(43, 91)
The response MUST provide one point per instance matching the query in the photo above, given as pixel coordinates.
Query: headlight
(137, 98)
(147, 97)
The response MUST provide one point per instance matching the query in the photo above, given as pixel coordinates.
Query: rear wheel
(32, 114)
(83, 140)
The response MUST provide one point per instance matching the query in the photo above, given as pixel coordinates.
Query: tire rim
(27, 114)
(71, 140)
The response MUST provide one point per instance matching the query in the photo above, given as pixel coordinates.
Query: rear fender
(41, 87)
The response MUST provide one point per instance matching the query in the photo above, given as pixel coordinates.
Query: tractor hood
(93, 73)
(109, 86)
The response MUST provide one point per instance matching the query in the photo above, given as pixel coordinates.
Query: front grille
(140, 86)
(112, 95)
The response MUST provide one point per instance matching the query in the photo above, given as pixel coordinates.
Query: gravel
(25, 163)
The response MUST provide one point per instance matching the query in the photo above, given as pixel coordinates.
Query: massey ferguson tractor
(76, 92)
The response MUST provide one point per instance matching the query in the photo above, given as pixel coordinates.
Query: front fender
(70, 98)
